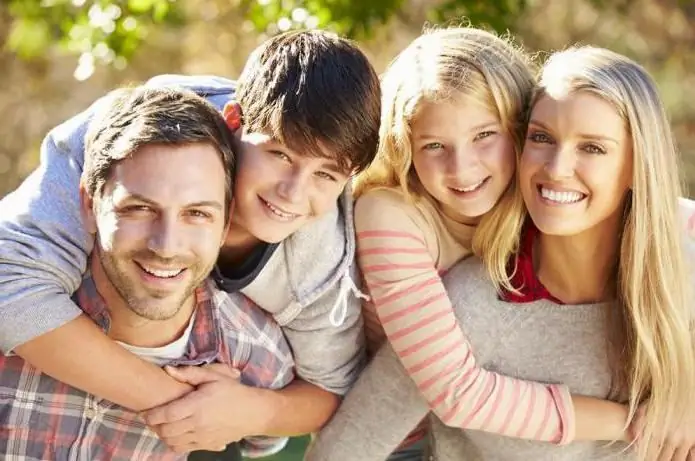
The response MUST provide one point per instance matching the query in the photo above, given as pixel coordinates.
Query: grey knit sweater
(539, 341)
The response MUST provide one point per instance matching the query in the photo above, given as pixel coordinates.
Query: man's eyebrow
(206, 204)
(201, 204)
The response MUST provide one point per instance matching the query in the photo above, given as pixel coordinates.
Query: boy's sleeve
(329, 354)
(43, 245)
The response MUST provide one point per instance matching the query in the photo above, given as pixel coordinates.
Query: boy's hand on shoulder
(219, 411)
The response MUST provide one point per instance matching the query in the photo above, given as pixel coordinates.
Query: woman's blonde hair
(654, 295)
(446, 64)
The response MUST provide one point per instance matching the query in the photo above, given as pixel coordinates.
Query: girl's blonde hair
(460, 63)
(654, 295)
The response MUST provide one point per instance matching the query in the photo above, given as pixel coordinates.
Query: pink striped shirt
(403, 249)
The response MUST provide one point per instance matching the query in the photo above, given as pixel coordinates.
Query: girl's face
(576, 168)
(462, 156)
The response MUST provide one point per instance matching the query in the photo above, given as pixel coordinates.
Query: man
(155, 194)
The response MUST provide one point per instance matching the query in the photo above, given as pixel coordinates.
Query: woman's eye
(539, 137)
(484, 134)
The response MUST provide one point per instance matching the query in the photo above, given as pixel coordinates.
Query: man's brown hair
(316, 93)
(130, 118)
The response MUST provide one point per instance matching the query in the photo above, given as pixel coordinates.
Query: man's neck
(579, 269)
(128, 327)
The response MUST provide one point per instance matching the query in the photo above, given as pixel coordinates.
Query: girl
(441, 188)
(600, 270)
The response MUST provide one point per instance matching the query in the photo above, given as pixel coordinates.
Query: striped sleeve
(419, 321)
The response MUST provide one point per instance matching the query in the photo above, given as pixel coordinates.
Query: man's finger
(177, 410)
(195, 376)
(223, 369)
(175, 429)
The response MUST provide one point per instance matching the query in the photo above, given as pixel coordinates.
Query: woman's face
(576, 168)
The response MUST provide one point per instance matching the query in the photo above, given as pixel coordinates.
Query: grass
(294, 451)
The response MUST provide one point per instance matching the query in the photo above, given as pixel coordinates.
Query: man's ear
(87, 210)
(234, 118)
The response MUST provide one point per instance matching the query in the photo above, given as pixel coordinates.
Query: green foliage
(109, 31)
(352, 18)
(99, 31)
(499, 15)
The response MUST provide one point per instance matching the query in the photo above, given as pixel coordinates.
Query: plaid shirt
(44, 419)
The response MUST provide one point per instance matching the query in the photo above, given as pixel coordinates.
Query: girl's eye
(539, 137)
(593, 149)
(484, 134)
(433, 146)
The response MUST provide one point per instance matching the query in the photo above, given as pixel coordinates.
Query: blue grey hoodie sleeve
(43, 245)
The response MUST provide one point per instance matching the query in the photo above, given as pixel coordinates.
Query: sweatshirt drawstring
(340, 308)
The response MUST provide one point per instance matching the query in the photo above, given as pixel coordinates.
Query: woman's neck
(579, 269)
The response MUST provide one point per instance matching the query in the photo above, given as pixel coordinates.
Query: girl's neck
(582, 268)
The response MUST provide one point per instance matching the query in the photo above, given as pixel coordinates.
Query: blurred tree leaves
(98, 31)
(110, 31)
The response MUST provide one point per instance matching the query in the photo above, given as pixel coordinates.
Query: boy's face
(278, 190)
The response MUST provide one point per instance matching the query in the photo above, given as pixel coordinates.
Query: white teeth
(279, 212)
(161, 273)
(469, 188)
(561, 197)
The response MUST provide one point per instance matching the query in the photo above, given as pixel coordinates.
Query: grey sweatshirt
(539, 341)
(307, 284)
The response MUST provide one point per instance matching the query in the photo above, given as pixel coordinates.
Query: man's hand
(219, 411)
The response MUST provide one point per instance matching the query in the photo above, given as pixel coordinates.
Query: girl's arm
(417, 316)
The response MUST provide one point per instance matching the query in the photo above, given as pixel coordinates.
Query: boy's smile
(278, 190)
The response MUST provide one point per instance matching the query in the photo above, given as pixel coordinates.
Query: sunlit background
(59, 55)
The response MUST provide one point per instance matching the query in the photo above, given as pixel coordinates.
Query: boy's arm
(43, 253)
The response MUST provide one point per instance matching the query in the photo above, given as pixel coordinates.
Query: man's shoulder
(237, 313)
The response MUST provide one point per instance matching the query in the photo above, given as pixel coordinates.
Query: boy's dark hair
(316, 93)
(131, 118)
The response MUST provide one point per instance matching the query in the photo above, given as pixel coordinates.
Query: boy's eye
(326, 176)
(433, 146)
(281, 155)
(539, 137)
(484, 134)
(592, 148)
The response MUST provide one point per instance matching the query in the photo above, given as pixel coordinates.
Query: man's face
(278, 190)
(159, 224)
